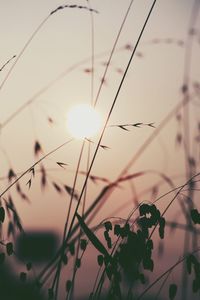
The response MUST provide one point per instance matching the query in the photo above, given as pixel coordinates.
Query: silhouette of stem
(35, 164)
(165, 273)
(23, 50)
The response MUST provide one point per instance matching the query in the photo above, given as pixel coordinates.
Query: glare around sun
(83, 121)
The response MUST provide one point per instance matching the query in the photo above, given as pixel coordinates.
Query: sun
(83, 121)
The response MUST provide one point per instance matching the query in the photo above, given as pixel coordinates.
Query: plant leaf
(11, 175)
(92, 237)
(137, 124)
(162, 227)
(78, 263)
(29, 183)
(123, 127)
(104, 147)
(2, 214)
(100, 260)
(29, 266)
(37, 148)
(57, 187)
(69, 190)
(108, 225)
(71, 249)
(83, 244)
(195, 216)
(11, 230)
(68, 285)
(32, 170)
(23, 276)
(172, 291)
(9, 248)
(151, 125)
(61, 164)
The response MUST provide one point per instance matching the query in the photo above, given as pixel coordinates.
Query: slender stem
(23, 50)
(92, 52)
(176, 195)
(57, 275)
(165, 273)
(170, 203)
(7, 62)
(31, 167)
(88, 156)
(109, 114)
(112, 51)
(87, 214)
(145, 145)
(163, 283)
(71, 230)
(106, 122)
(45, 88)
(186, 125)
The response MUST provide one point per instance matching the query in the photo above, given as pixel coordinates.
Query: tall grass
(125, 247)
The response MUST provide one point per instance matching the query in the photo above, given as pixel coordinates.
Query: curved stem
(57, 275)
(112, 52)
(31, 167)
(101, 136)
(23, 50)
(165, 273)
(108, 117)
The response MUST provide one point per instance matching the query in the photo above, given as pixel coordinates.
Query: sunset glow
(83, 121)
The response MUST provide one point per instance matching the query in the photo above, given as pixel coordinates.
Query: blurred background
(56, 72)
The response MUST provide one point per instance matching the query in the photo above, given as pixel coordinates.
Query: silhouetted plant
(126, 253)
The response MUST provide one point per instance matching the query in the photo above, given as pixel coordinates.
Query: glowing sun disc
(83, 121)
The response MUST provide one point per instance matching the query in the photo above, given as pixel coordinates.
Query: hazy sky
(150, 91)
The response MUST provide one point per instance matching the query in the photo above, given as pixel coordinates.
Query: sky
(152, 89)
